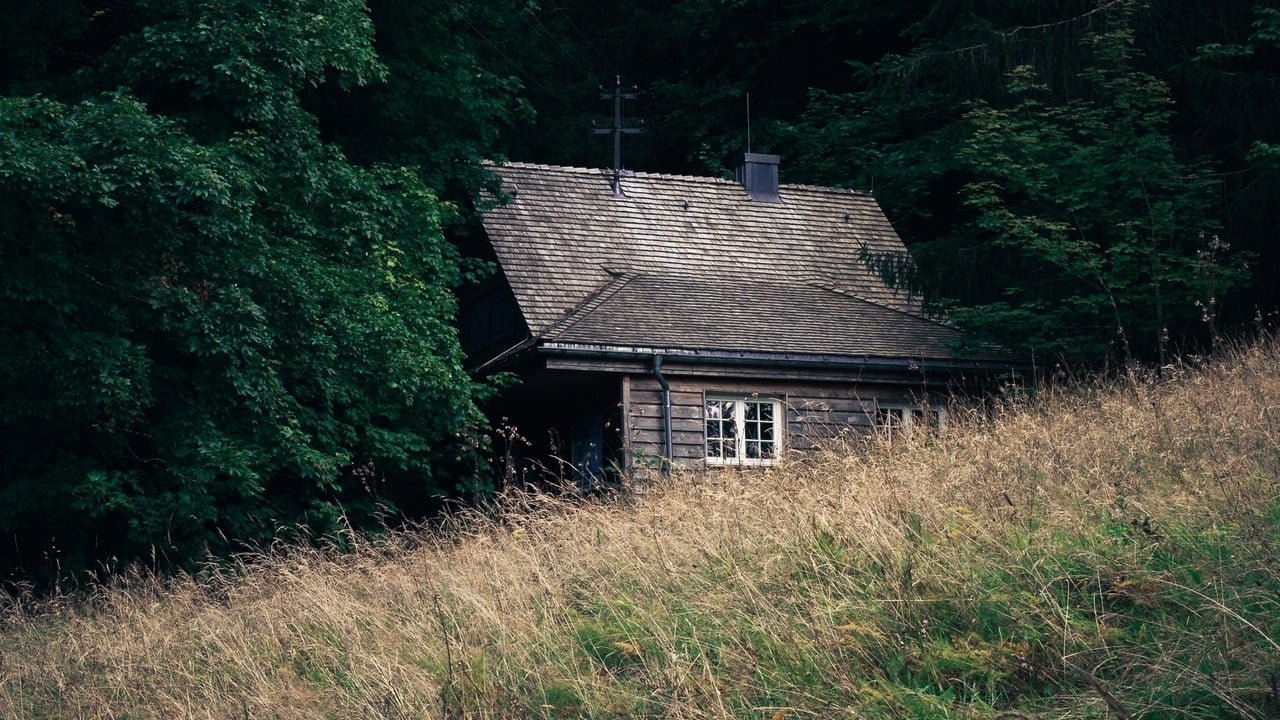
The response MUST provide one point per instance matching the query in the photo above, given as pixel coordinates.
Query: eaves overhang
(775, 359)
(505, 357)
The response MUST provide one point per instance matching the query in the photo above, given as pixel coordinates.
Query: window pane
(888, 417)
(722, 433)
(768, 446)
(752, 411)
(753, 450)
(720, 430)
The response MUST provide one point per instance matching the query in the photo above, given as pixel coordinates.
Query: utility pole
(617, 95)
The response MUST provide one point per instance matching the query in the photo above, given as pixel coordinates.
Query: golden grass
(1081, 554)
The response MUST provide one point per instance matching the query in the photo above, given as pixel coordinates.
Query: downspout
(666, 413)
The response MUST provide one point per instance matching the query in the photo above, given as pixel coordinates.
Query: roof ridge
(538, 166)
(638, 173)
(658, 175)
(834, 189)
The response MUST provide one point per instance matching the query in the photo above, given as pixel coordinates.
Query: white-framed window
(891, 418)
(743, 430)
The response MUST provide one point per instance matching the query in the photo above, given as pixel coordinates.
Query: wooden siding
(815, 412)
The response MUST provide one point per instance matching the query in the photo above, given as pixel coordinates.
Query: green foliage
(1037, 164)
(694, 63)
(963, 625)
(213, 324)
(1107, 237)
(1247, 64)
(555, 700)
(450, 91)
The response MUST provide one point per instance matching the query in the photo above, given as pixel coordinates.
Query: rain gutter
(667, 450)
(760, 359)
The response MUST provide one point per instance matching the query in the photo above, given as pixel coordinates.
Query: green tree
(1233, 84)
(212, 323)
(450, 91)
(1108, 239)
(1053, 193)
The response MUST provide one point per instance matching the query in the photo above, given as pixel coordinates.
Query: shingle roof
(564, 230)
(752, 316)
(693, 262)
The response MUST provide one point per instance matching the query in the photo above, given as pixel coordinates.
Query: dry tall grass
(1081, 555)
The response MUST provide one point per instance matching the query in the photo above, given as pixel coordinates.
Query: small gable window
(742, 430)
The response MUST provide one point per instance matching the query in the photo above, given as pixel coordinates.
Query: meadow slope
(1088, 553)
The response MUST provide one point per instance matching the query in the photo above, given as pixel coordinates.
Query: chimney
(759, 175)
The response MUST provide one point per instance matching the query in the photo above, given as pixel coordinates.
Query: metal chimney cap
(759, 175)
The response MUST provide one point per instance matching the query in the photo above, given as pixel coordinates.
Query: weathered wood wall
(815, 411)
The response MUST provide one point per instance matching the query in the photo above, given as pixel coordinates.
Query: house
(658, 320)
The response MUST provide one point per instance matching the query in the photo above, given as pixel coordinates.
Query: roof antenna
(748, 122)
(617, 95)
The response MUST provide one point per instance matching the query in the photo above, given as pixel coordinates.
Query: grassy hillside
(1083, 555)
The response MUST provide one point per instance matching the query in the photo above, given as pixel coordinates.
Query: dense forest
(231, 230)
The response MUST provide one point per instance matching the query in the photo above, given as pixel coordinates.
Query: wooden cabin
(659, 320)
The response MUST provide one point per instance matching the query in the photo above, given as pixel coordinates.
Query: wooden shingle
(564, 232)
